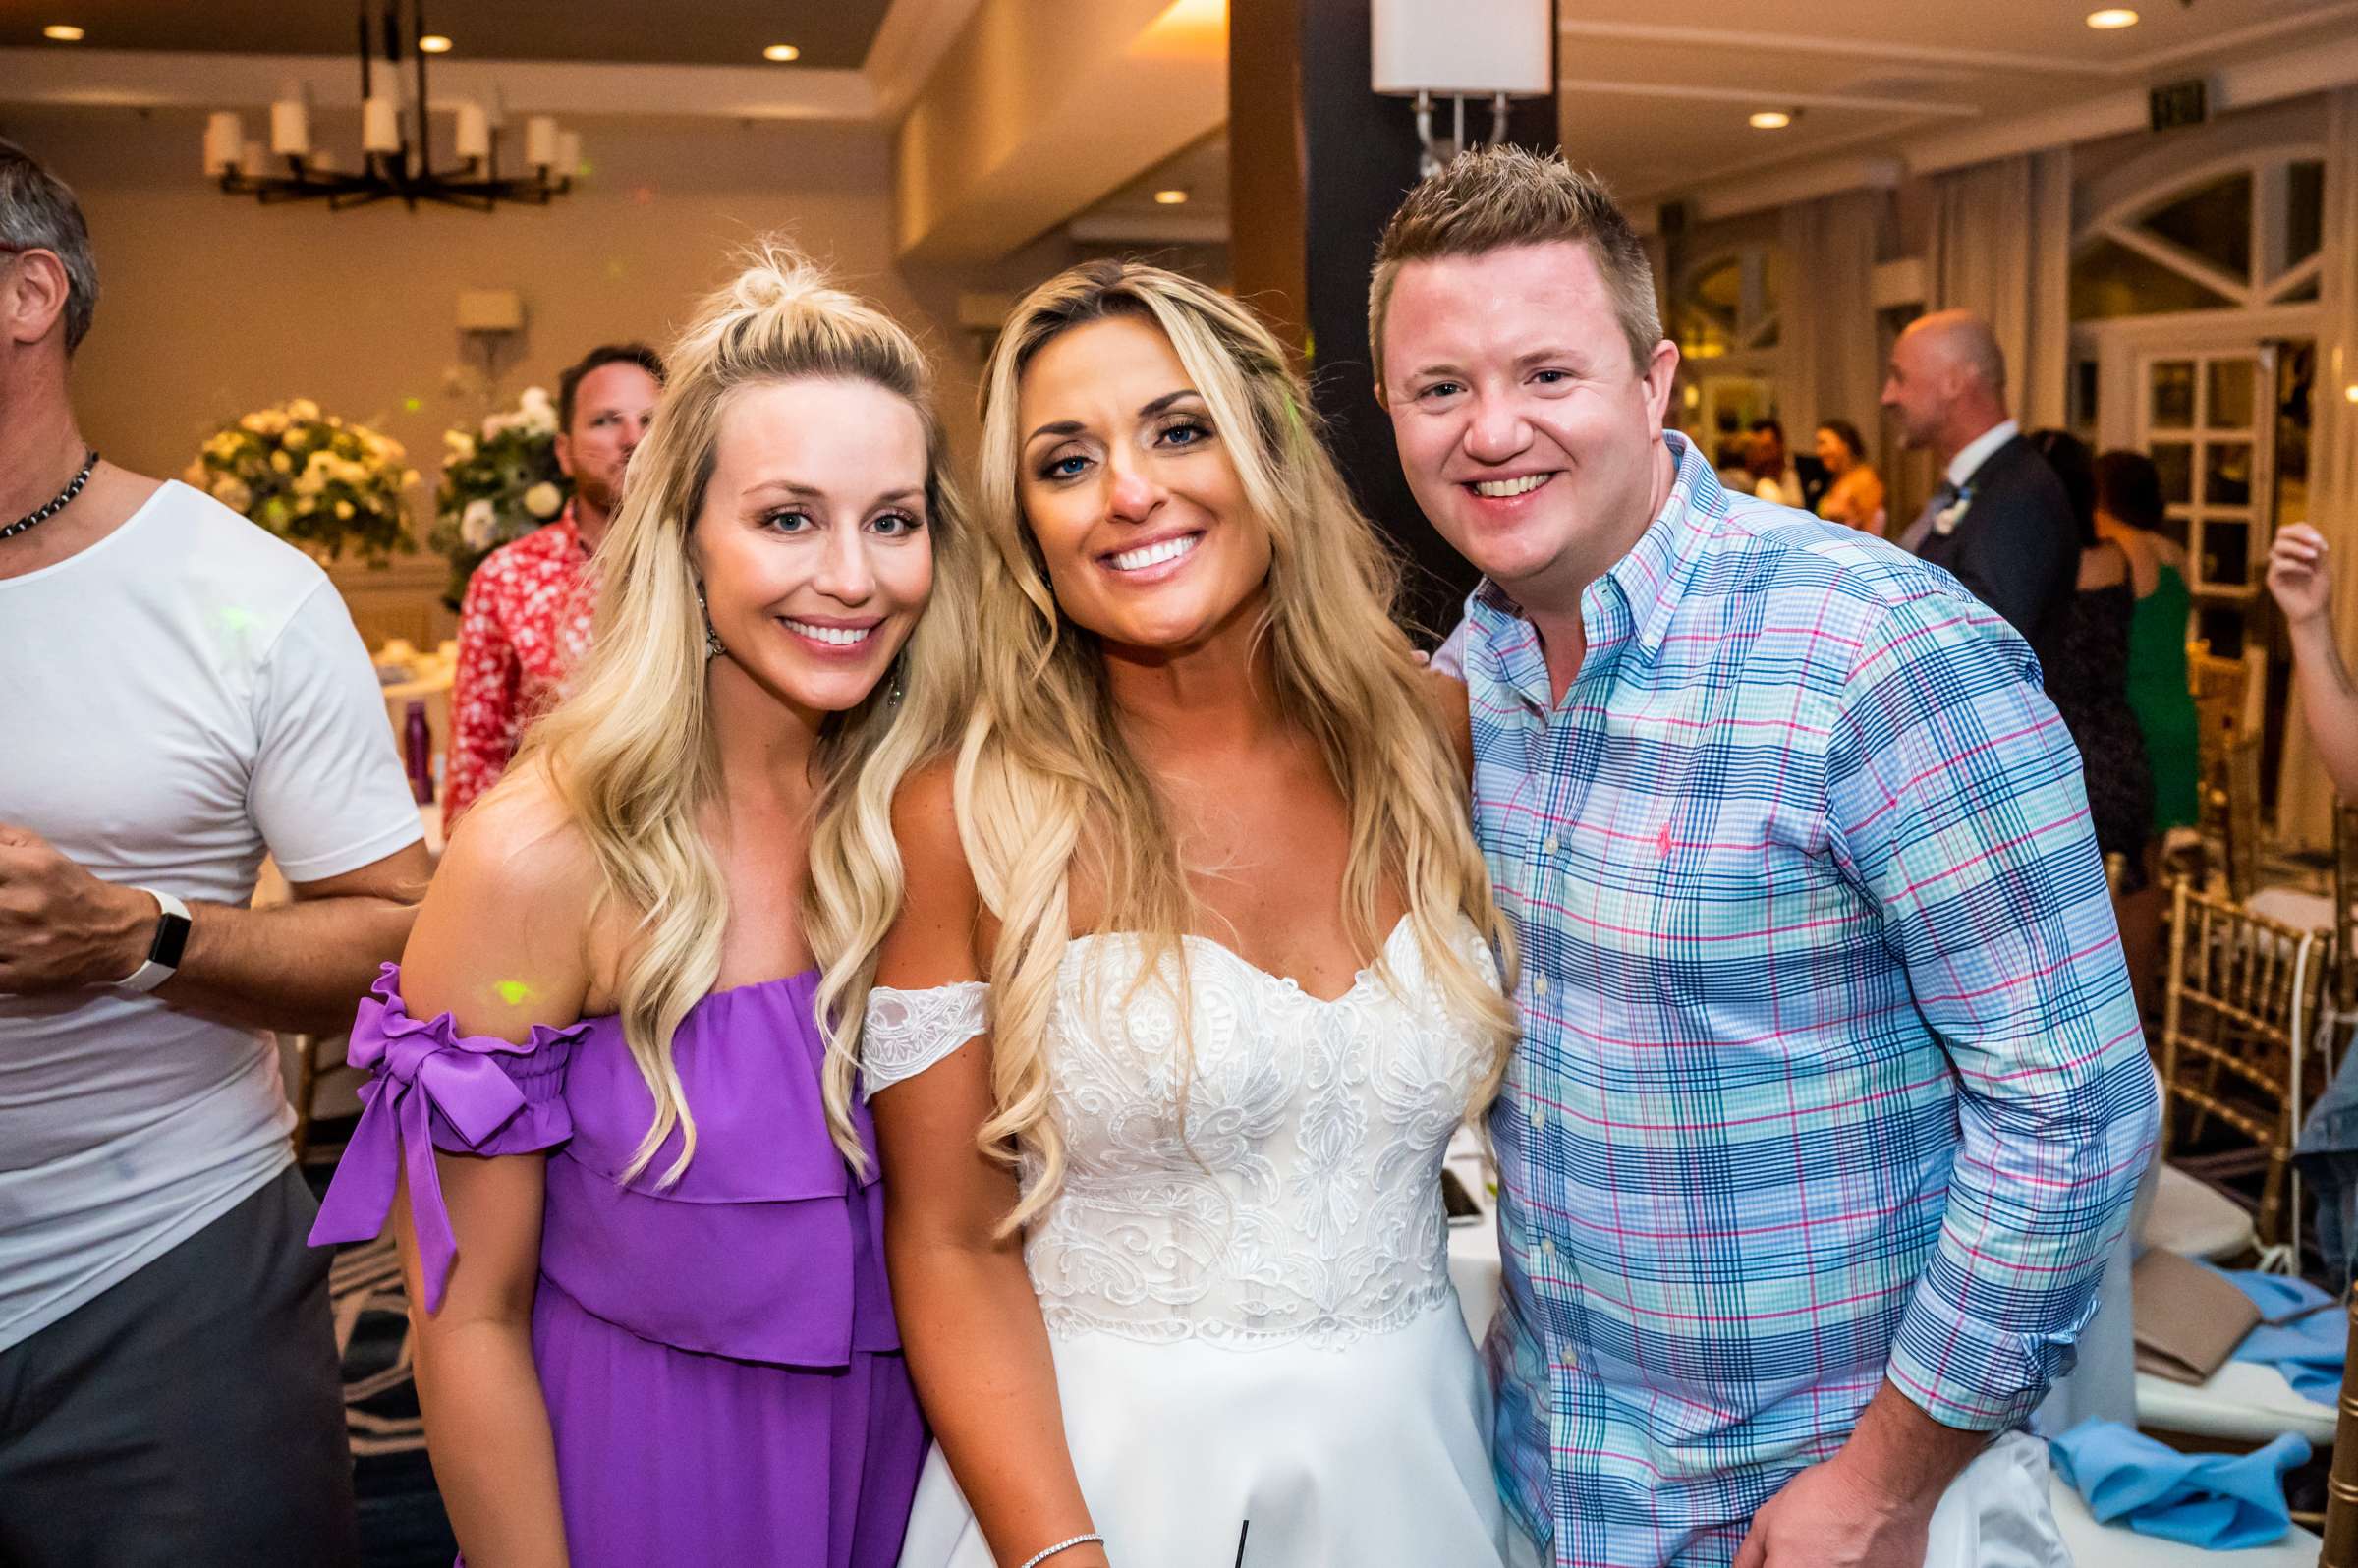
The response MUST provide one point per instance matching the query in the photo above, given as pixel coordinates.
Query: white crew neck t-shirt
(176, 699)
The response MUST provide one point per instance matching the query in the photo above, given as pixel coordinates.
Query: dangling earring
(900, 685)
(712, 648)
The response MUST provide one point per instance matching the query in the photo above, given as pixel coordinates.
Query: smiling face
(1129, 492)
(1833, 451)
(1532, 441)
(814, 544)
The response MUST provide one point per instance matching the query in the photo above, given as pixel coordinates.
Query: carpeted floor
(402, 1524)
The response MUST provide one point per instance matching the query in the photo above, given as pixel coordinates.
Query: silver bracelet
(1036, 1558)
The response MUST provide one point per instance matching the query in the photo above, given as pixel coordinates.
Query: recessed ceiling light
(2111, 18)
(434, 43)
(1771, 120)
(2351, 391)
(62, 32)
(1171, 198)
(781, 52)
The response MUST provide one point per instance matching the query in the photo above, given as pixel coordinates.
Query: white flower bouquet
(310, 477)
(499, 483)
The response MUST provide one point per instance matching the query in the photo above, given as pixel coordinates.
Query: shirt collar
(1653, 576)
(573, 530)
(1975, 452)
(1650, 576)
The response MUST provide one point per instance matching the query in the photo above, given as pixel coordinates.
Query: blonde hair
(631, 750)
(1494, 197)
(1044, 776)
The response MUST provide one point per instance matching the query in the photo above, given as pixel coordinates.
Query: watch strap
(163, 953)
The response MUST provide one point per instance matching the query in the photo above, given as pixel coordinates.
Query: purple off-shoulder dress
(722, 1373)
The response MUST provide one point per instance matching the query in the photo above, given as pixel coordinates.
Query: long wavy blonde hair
(631, 750)
(1045, 781)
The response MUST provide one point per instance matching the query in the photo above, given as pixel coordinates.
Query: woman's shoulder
(525, 836)
(2102, 565)
(516, 894)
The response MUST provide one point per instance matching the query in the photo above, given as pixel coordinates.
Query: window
(2248, 234)
(1729, 304)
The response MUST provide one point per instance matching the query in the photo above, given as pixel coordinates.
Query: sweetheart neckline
(1359, 982)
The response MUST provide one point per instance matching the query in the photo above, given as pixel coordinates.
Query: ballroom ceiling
(831, 34)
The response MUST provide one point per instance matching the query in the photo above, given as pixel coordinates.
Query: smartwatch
(163, 955)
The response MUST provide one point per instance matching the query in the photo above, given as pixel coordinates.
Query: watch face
(171, 936)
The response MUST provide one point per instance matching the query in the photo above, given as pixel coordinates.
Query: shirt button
(1539, 1118)
(1549, 847)
(1538, 986)
(1548, 1249)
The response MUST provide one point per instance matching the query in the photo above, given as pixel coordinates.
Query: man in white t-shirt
(179, 694)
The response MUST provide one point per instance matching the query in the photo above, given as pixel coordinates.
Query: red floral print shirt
(522, 627)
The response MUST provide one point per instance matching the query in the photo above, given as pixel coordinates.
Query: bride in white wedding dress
(1193, 981)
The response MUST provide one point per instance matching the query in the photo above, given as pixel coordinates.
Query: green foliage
(499, 484)
(311, 479)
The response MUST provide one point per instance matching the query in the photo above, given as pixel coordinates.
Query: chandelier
(397, 144)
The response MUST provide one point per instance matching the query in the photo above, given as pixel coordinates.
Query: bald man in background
(2000, 521)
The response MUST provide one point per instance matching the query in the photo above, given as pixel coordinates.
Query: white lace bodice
(1302, 1202)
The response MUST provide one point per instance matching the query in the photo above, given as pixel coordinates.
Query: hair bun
(777, 276)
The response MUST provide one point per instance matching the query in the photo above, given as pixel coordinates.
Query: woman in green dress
(2130, 513)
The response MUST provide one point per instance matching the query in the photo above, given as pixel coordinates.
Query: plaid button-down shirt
(1831, 1071)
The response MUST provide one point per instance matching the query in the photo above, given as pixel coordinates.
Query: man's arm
(1955, 804)
(2302, 581)
(295, 967)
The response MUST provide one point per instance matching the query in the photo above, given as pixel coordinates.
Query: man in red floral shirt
(526, 619)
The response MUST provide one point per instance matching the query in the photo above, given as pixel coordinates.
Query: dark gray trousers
(191, 1416)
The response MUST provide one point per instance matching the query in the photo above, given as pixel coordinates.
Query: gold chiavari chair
(2223, 706)
(2340, 1549)
(2243, 997)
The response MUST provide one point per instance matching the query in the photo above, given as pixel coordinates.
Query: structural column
(1317, 163)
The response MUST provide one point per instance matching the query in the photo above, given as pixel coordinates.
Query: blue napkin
(2221, 1502)
(2299, 1334)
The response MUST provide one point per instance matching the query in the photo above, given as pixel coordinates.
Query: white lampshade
(540, 140)
(569, 153)
(291, 128)
(472, 136)
(224, 142)
(380, 125)
(1446, 47)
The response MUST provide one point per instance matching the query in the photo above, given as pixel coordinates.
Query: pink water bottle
(418, 754)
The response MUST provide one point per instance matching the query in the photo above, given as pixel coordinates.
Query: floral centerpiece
(311, 479)
(499, 483)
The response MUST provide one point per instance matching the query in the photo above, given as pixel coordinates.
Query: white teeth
(1154, 554)
(1499, 489)
(834, 636)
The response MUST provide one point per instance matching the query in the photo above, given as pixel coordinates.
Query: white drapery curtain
(2304, 795)
(2001, 247)
(1829, 368)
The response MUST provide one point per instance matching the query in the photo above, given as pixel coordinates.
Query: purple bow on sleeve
(417, 1069)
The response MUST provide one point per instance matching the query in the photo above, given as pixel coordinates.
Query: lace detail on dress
(1288, 1190)
(908, 1031)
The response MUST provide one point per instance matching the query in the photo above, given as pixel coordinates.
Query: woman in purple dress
(635, 1197)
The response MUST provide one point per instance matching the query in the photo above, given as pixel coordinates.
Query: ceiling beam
(909, 46)
(1042, 107)
(1758, 98)
(1689, 37)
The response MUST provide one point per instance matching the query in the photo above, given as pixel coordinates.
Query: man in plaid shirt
(1831, 1094)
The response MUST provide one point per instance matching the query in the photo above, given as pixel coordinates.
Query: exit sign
(2179, 103)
